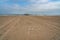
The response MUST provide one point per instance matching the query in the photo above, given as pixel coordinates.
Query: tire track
(51, 27)
(5, 27)
(23, 23)
(43, 22)
(17, 31)
(3, 20)
(27, 20)
(11, 25)
(7, 23)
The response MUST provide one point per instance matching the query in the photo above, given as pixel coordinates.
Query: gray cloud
(11, 9)
(36, 6)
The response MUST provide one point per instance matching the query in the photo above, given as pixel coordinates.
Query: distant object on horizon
(27, 14)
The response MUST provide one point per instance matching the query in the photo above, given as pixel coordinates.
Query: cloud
(39, 1)
(11, 9)
(14, 8)
(44, 6)
(38, 5)
(2, 1)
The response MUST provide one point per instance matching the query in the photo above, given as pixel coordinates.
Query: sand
(29, 27)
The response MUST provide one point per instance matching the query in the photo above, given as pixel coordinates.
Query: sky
(42, 7)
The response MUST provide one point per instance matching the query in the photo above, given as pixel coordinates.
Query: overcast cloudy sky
(43, 7)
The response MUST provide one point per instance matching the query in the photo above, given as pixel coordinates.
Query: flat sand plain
(29, 27)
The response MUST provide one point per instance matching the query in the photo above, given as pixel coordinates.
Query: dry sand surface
(29, 28)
